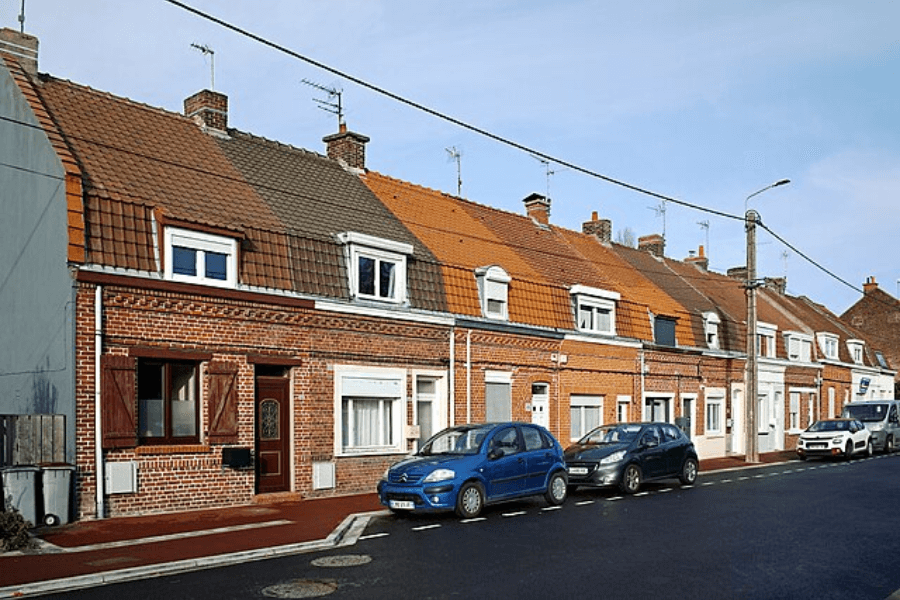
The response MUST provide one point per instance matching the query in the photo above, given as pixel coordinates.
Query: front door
(540, 401)
(272, 434)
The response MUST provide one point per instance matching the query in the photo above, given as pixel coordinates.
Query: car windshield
(612, 434)
(830, 426)
(866, 412)
(457, 440)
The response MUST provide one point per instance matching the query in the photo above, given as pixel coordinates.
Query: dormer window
(377, 267)
(799, 346)
(828, 344)
(765, 338)
(711, 329)
(198, 257)
(493, 291)
(856, 350)
(664, 330)
(595, 309)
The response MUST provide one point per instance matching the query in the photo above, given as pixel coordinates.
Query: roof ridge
(278, 144)
(45, 78)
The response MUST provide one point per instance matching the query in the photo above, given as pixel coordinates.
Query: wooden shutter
(223, 402)
(118, 402)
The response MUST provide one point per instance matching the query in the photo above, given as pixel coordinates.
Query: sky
(701, 101)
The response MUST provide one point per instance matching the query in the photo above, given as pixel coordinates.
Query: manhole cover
(300, 588)
(346, 560)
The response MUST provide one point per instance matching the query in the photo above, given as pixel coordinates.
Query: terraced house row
(222, 318)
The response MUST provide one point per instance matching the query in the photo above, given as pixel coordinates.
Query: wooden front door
(272, 434)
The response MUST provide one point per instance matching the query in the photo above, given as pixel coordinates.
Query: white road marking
(475, 520)
(372, 536)
(584, 503)
(518, 513)
(424, 527)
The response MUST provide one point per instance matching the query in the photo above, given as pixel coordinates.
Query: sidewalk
(90, 553)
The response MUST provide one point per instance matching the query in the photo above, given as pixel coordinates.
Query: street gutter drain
(346, 560)
(300, 588)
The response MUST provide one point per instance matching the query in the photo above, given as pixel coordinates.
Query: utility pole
(751, 375)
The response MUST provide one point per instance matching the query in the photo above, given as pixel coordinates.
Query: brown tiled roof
(315, 199)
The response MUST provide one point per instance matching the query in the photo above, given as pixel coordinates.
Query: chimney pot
(22, 47)
(347, 147)
(654, 243)
(870, 285)
(599, 228)
(698, 259)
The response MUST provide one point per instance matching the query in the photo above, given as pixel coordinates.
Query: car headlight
(837, 440)
(613, 458)
(386, 473)
(876, 426)
(440, 475)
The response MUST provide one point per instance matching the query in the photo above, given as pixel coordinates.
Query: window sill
(370, 452)
(173, 449)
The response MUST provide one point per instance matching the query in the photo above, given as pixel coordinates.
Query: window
(493, 292)
(828, 344)
(714, 416)
(711, 329)
(794, 414)
(799, 346)
(664, 331)
(622, 404)
(765, 339)
(377, 267)
(497, 396)
(879, 356)
(595, 309)
(426, 403)
(586, 414)
(370, 404)
(167, 401)
(856, 350)
(196, 257)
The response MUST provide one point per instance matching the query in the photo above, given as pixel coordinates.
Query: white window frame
(711, 329)
(594, 300)
(828, 344)
(714, 416)
(579, 402)
(438, 399)
(623, 404)
(202, 243)
(361, 245)
(493, 292)
(765, 336)
(799, 346)
(503, 378)
(856, 347)
(388, 385)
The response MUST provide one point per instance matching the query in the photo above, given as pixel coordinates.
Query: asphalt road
(804, 530)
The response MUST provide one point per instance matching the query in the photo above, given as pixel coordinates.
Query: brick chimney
(739, 273)
(870, 286)
(778, 284)
(654, 243)
(208, 109)
(699, 260)
(538, 208)
(347, 147)
(22, 47)
(599, 228)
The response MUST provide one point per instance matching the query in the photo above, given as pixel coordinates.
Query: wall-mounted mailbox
(236, 458)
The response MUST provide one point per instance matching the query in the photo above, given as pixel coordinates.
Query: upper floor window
(828, 344)
(377, 267)
(595, 309)
(765, 338)
(856, 350)
(711, 329)
(493, 292)
(664, 331)
(799, 346)
(197, 257)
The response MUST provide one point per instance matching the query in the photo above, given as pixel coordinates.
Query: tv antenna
(456, 155)
(705, 225)
(548, 170)
(660, 211)
(335, 108)
(207, 51)
(784, 257)
(22, 18)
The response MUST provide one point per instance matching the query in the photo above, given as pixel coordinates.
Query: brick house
(877, 315)
(248, 321)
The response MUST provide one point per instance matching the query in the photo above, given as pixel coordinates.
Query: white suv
(835, 437)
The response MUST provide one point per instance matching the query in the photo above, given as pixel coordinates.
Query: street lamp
(751, 395)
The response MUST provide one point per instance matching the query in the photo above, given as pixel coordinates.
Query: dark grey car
(627, 454)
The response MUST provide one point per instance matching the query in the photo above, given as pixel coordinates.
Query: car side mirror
(495, 453)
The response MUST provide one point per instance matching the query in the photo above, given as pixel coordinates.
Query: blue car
(467, 467)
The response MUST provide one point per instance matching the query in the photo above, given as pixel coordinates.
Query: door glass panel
(269, 426)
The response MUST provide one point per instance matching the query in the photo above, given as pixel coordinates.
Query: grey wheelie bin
(20, 490)
(57, 489)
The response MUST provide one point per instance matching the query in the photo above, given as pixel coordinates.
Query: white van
(881, 417)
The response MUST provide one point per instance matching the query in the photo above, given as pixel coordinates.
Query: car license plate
(816, 445)
(578, 470)
(401, 504)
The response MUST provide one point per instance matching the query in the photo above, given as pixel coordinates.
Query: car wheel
(869, 448)
(848, 451)
(889, 445)
(631, 479)
(556, 489)
(470, 500)
(689, 472)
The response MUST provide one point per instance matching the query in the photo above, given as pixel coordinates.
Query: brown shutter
(223, 402)
(118, 402)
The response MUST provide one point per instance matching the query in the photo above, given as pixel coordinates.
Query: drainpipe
(641, 399)
(452, 376)
(98, 423)
(469, 376)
